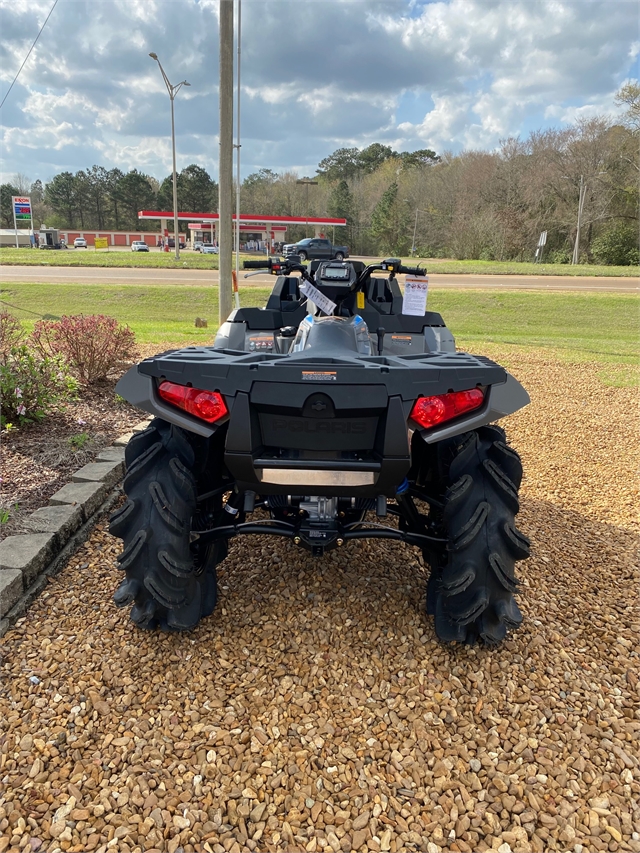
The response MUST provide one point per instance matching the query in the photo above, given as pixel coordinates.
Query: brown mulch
(38, 459)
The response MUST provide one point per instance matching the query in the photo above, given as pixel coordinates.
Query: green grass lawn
(435, 265)
(156, 259)
(597, 327)
(156, 313)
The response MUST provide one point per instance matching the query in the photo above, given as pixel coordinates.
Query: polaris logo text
(327, 427)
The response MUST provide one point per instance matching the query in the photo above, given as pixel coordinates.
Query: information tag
(314, 295)
(414, 302)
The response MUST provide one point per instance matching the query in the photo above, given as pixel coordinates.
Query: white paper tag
(314, 295)
(414, 302)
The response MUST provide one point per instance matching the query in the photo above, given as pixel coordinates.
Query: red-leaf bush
(92, 345)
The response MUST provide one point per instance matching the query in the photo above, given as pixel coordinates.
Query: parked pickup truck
(314, 248)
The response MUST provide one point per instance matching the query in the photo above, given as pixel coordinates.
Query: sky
(316, 75)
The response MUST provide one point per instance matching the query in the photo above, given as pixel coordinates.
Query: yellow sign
(101, 243)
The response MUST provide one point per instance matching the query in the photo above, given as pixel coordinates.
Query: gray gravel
(316, 711)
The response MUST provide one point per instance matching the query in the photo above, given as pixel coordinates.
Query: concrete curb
(27, 560)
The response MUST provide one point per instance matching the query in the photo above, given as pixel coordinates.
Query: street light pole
(307, 182)
(173, 91)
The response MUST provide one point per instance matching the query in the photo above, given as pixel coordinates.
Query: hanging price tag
(414, 302)
(314, 295)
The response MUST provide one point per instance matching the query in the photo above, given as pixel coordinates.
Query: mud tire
(168, 586)
(471, 595)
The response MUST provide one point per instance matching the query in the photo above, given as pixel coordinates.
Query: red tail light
(431, 411)
(207, 405)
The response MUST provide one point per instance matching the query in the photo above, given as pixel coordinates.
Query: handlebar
(277, 266)
(257, 265)
(411, 270)
(395, 267)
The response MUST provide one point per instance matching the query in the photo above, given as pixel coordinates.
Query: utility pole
(576, 245)
(225, 170)
(415, 229)
(237, 147)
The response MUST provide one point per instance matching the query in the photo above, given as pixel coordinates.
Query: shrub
(11, 333)
(560, 256)
(31, 385)
(92, 345)
(617, 245)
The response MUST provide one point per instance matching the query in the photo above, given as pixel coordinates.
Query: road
(128, 276)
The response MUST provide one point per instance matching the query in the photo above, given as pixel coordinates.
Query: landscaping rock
(89, 495)
(123, 440)
(60, 520)
(111, 454)
(104, 472)
(11, 586)
(30, 553)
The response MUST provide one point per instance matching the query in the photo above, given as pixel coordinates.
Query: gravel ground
(315, 710)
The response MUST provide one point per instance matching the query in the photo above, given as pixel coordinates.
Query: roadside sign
(542, 241)
(21, 212)
(21, 206)
(101, 243)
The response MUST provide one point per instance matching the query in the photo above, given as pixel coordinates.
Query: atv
(340, 411)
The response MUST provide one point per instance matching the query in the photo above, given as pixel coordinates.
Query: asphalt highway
(202, 278)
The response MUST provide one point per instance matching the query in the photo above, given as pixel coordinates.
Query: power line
(55, 3)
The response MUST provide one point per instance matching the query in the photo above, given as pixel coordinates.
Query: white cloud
(316, 76)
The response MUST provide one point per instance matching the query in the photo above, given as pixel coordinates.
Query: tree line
(104, 199)
(489, 205)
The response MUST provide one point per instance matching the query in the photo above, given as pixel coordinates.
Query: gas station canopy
(245, 219)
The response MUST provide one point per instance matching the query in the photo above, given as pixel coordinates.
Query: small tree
(629, 96)
(390, 223)
(341, 205)
(618, 245)
(6, 208)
